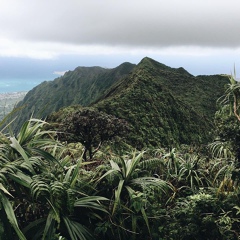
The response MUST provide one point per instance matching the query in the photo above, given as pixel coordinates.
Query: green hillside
(164, 105)
(200, 92)
(67, 178)
(82, 86)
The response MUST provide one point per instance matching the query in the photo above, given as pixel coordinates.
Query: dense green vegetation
(142, 182)
(88, 126)
(164, 106)
(82, 86)
(157, 116)
(49, 192)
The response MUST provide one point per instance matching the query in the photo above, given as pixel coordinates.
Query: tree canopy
(92, 127)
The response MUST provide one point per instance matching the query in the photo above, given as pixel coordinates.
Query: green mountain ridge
(160, 114)
(165, 106)
(82, 86)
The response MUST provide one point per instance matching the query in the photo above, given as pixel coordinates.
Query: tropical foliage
(42, 192)
(49, 189)
(48, 192)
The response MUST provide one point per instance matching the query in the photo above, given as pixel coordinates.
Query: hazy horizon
(42, 39)
(18, 85)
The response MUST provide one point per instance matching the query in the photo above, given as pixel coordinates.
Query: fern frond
(39, 189)
(150, 164)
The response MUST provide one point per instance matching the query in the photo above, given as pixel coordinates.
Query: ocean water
(18, 85)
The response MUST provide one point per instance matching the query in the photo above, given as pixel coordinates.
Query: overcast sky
(43, 38)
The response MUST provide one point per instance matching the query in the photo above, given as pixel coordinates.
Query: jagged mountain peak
(149, 62)
(184, 71)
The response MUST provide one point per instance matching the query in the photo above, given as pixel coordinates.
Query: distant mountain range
(164, 105)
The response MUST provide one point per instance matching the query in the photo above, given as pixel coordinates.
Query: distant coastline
(8, 101)
(16, 85)
(12, 94)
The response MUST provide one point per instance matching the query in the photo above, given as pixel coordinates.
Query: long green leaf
(105, 174)
(124, 167)
(114, 166)
(74, 177)
(67, 177)
(15, 144)
(30, 131)
(117, 196)
(23, 132)
(145, 219)
(47, 156)
(132, 164)
(134, 225)
(21, 179)
(77, 230)
(11, 216)
(49, 230)
(130, 190)
(35, 229)
(91, 202)
(5, 190)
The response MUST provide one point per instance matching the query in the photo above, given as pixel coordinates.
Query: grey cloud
(153, 23)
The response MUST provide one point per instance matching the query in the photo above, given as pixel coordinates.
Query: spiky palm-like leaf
(51, 186)
(221, 149)
(191, 173)
(77, 230)
(128, 171)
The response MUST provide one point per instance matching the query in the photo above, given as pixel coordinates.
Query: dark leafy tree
(91, 128)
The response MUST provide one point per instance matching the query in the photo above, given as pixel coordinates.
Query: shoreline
(8, 95)
(8, 102)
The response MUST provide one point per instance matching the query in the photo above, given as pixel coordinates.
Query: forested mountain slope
(82, 86)
(165, 106)
(199, 93)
